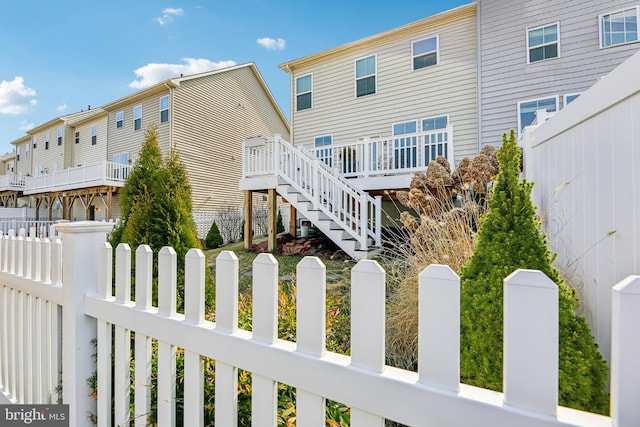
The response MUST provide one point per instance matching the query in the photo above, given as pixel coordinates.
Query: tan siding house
(85, 151)
(23, 160)
(443, 85)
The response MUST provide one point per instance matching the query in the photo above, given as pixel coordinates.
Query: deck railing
(55, 298)
(402, 154)
(101, 173)
(11, 182)
(359, 214)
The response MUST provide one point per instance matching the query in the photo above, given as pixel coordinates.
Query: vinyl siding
(505, 76)
(402, 93)
(126, 139)
(211, 117)
(47, 157)
(23, 166)
(84, 152)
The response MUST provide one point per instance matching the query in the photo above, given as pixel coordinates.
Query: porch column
(109, 204)
(248, 219)
(293, 220)
(272, 218)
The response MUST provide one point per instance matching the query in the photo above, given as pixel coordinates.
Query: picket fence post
(625, 353)
(81, 242)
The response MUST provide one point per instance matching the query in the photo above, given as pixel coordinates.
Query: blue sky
(59, 57)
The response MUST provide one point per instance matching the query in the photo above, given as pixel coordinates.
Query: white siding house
(541, 55)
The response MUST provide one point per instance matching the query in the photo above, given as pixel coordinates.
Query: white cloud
(151, 74)
(26, 125)
(15, 97)
(271, 44)
(168, 15)
(62, 108)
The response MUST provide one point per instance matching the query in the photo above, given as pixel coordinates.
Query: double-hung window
(366, 76)
(543, 43)
(26, 151)
(405, 143)
(94, 135)
(35, 142)
(164, 109)
(137, 117)
(436, 143)
(119, 119)
(59, 136)
(527, 110)
(619, 27)
(46, 141)
(304, 92)
(76, 137)
(17, 154)
(324, 152)
(425, 52)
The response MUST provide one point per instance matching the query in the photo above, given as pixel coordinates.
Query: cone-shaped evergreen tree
(510, 238)
(156, 207)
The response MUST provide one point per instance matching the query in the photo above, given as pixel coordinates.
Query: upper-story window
(35, 142)
(26, 150)
(94, 135)
(76, 137)
(137, 117)
(119, 119)
(366, 76)
(405, 128)
(435, 123)
(59, 136)
(543, 42)
(164, 109)
(619, 27)
(304, 92)
(527, 110)
(17, 154)
(46, 141)
(425, 52)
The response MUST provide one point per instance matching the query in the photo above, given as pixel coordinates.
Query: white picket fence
(40, 278)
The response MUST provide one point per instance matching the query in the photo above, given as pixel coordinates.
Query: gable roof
(175, 83)
(401, 32)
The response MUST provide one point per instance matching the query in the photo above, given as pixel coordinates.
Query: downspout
(479, 71)
(170, 115)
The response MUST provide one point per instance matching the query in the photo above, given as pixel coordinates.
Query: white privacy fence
(431, 396)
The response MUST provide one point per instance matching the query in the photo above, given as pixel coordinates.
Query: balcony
(92, 175)
(11, 183)
(389, 162)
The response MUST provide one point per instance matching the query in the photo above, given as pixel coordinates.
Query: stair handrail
(353, 209)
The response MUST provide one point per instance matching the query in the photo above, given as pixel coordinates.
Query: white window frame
(164, 109)
(18, 153)
(135, 118)
(35, 142)
(414, 56)
(433, 117)
(76, 137)
(46, 141)
(556, 97)
(557, 42)
(59, 136)
(356, 78)
(27, 151)
(310, 91)
(600, 34)
(393, 125)
(94, 135)
(119, 119)
(567, 95)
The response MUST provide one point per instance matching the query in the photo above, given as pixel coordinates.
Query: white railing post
(226, 392)
(315, 179)
(310, 333)
(450, 155)
(378, 221)
(366, 157)
(122, 340)
(103, 359)
(364, 220)
(625, 353)
(367, 328)
(167, 299)
(531, 322)
(439, 327)
(276, 155)
(81, 243)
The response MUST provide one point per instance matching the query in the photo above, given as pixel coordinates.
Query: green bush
(509, 238)
(279, 223)
(214, 238)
